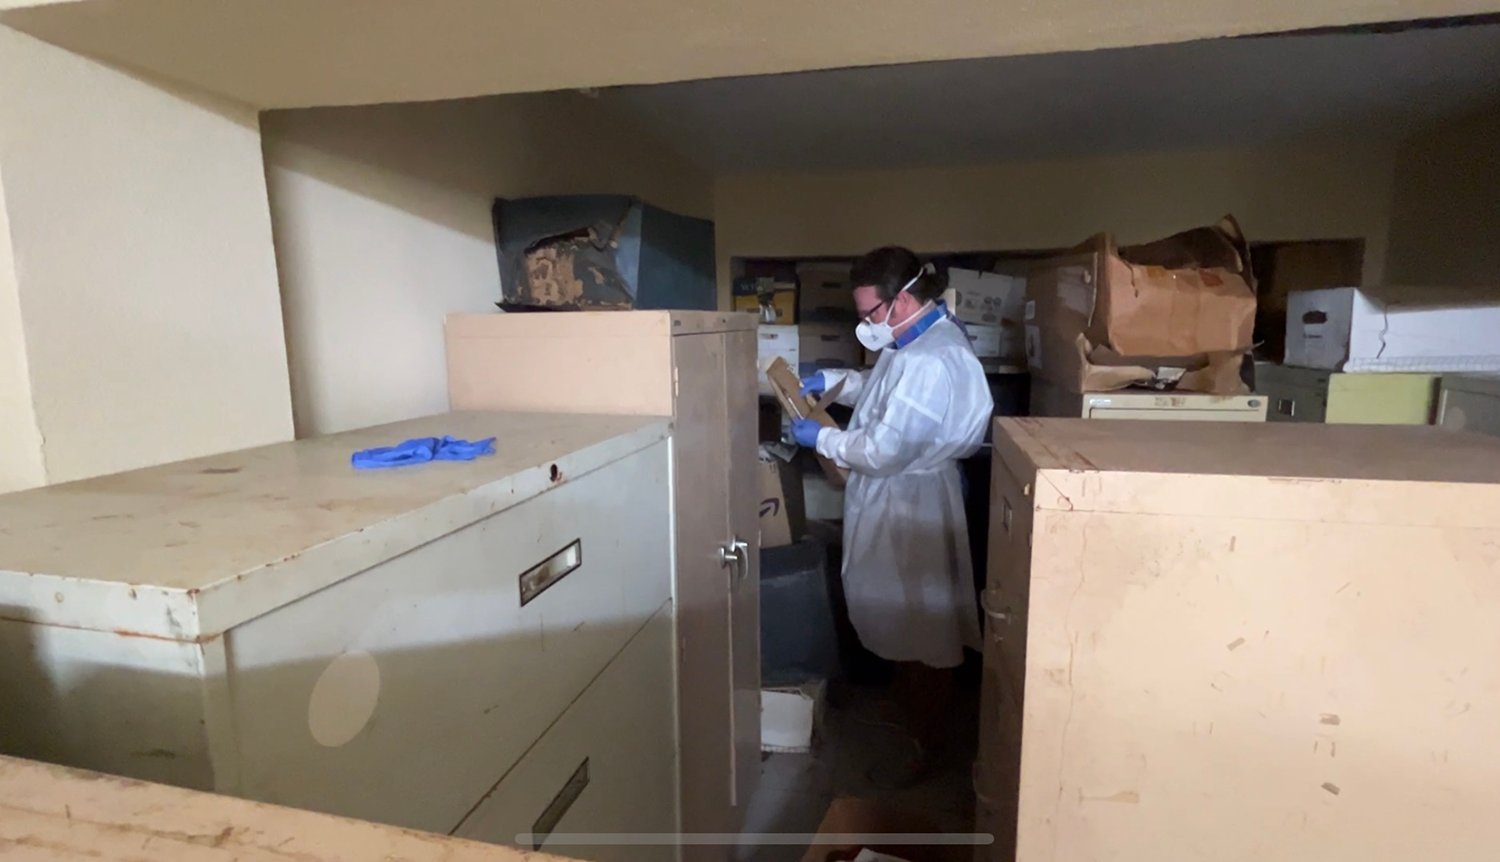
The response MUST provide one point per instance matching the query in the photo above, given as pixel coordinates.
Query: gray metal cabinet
(1292, 394)
(1470, 402)
(386, 645)
(698, 368)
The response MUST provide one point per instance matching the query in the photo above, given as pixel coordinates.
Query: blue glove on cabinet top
(420, 451)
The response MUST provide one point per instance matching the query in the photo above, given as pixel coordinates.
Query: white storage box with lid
(1050, 400)
(381, 644)
(806, 347)
(1241, 643)
(1393, 329)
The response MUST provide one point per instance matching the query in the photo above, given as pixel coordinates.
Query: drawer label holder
(537, 579)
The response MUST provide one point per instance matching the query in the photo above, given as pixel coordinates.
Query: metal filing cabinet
(1470, 402)
(389, 645)
(1050, 400)
(698, 368)
(1240, 643)
(1314, 395)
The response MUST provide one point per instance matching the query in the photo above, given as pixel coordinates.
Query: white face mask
(878, 336)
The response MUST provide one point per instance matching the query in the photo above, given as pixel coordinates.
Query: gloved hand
(805, 432)
(814, 384)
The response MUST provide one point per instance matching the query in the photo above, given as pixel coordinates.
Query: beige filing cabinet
(699, 368)
(1241, 643)
(1050, 400)
(61, 815)
(482, 647)
(1313, 395)
(1470, 402)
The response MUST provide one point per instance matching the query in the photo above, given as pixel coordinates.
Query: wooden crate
(1241, 642)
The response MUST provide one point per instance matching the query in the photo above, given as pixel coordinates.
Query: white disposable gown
(907, 571)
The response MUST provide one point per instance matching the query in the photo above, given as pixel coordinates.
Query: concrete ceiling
(299, 53)
(1214, 94)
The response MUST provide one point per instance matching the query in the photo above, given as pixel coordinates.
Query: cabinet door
(706, 715)
(744, 599)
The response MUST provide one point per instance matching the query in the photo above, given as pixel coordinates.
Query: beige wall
(1331, 190)
(20, 442)
(1445, 222)
(145, 282)
(382, 224)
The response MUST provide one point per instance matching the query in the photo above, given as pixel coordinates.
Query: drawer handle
(541, 830)
(997, 618)
(537, 579)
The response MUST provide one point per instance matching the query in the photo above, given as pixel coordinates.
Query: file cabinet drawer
(398, 694)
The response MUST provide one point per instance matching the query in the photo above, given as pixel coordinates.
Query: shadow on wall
(429, 158)
(1446, 213)
(33, 56)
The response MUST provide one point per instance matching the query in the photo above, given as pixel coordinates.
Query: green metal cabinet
(1313, 395)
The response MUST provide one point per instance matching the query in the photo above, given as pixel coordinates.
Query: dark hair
(888, 269)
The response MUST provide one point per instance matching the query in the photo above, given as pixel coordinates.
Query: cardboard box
(787, 386)
(987, 297)
(775, 342)
(989, 342)
(783, 517)
(825, 294)
(598, 252)
(1301, 266)
(1177, 313)
(782, 305)
(1430, 330)
(807, 347)
(868, 820)
(827, 345)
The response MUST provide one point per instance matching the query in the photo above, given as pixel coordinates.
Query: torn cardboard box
(601, 252)
(783, 518)
(788, 388)
(1178, 313)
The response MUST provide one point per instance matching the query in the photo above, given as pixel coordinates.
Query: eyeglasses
(865, 318)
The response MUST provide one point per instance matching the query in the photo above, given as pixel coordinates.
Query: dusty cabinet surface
(1241, 642)
(698, 368)
(277, 625)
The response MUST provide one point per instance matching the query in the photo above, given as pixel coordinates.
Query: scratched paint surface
(53, 813)
(1235, 652)
(1260, 689)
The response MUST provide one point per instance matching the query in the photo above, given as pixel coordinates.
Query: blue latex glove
(420, 451)
(805, 432)
(814, 384)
